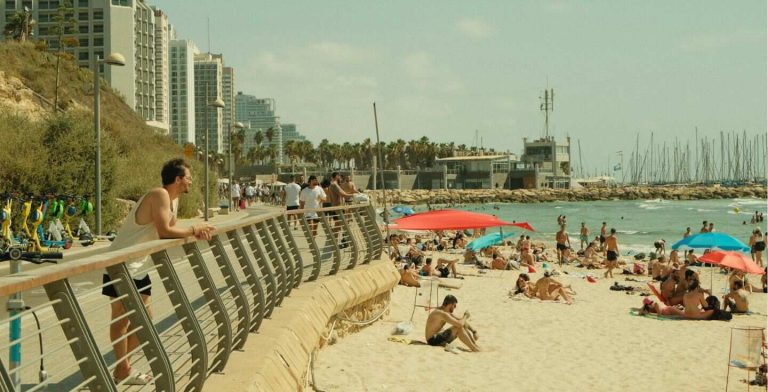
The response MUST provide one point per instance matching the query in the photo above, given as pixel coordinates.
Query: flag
(617, 167)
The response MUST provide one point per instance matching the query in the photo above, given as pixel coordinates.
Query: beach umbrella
(453, 220)
(734, 260)
(720, 241)
(487, 240)
(403, 210)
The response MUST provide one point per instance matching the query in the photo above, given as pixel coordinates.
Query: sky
(448, 69)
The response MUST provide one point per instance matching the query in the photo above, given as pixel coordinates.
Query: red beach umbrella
(734, 260)
(453, 220)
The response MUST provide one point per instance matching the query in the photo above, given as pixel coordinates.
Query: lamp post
(112, 59)
(231, 163)
(218, 103)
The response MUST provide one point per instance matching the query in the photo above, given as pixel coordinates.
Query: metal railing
(206, 297)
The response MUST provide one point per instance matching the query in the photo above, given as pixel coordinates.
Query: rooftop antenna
(547, 105)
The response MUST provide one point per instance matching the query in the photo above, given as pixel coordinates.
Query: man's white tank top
(132, 233)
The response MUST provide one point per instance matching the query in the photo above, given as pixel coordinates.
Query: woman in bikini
(652, 307)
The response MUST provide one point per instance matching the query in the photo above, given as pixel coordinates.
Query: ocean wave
(749, 201)
(650, 207)
(704, 210)
(628, 232)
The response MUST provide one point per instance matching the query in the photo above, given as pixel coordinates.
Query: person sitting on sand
(470, 257)
(660, 268)
(459, 327)
(409, 277)
(548, 289)
(690, 258)
(674, 257)
(736, 301)
(524, 286)
(590, 258)
(651, 306)
(672, 290)
(694, 303)
(443, 269)
(738, 276)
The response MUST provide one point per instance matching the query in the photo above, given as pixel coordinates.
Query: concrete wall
(276, 358)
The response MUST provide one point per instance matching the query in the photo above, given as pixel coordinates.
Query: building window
(83, 42)
(83, 29)
(82, 16)
(98, 28)
(98, 41)
(10, 4)
(82, 3)
(83, 56)
(98, 14)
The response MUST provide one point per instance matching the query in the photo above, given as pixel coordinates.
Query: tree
(258, 137)
(238, 139)
(270, 134)
(566, 168)
(272, 152)
(19, 26)
(65, 24)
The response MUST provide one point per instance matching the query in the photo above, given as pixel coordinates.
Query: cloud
(474, 28)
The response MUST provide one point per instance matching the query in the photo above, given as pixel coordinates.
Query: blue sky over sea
(444, 69)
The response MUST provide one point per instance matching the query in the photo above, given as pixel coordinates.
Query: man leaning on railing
(152, 217)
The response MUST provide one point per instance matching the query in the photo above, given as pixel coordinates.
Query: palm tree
(292, 149)
(324, 153)
(65, 24)
(270, 134)
(307, 151)
(272, 152)
(19, 26)
(238, 138)
(258, 137)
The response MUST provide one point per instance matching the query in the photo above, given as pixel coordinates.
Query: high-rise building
(104, 27)
(208, 87)
(258, 114)
(182, 90)
(228, 95)
(290, 133)
(162, 40)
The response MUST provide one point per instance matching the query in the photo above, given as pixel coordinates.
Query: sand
(592, 345)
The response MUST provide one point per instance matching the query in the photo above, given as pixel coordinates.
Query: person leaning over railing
(152, 217)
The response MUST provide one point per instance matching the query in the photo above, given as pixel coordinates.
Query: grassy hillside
(56, 153)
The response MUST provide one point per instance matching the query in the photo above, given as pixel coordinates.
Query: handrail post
(235, 289)
(346, 233)
(265, 270)
(83, 344)
(366, 234)
(377, 243)
(331, 237)
(138, 316)
(257, 290)
(314, 249)
(293, 249)
(276, 231)
(185, 313)
(211, 294)
(275, 262)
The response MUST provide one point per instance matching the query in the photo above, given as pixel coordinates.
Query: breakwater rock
(667, 192)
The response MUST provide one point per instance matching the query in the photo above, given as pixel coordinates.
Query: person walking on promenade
(152, 217)
(235, 196)
(292, 202)
(311, 198)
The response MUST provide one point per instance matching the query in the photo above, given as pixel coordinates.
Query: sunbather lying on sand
(524, 286)
(651, 306)
(443, 268)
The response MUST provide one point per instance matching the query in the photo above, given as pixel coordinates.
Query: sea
(638, 223)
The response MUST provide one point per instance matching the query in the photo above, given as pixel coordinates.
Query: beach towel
(636, 312)
(658, 295)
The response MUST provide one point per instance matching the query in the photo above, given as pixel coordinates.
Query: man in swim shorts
(583, 236)
(561, 237)
(603, 228)
(459, 327)
(611, 253)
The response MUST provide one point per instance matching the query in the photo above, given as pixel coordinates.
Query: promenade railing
(206, 298)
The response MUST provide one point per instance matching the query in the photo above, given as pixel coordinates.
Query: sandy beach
(529, 345)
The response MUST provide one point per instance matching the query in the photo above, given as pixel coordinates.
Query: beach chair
(657, 293)
(427, 296)
(747, 351)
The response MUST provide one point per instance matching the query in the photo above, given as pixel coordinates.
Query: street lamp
(112, 59)
(237, 125)
(218, 103)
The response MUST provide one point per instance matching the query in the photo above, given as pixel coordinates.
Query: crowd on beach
(680, 293)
